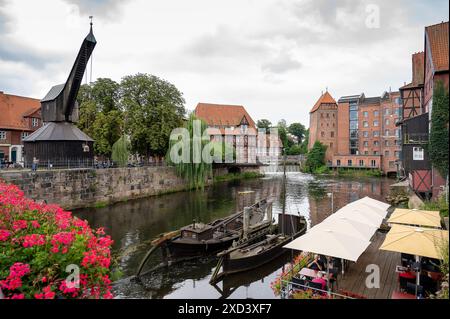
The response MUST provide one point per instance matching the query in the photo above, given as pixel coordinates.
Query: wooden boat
(254, 255)
(199, 239)
(204, 239)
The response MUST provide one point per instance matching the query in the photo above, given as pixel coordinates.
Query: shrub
(300, 262)
(39, 242)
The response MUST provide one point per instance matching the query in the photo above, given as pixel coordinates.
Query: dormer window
(244, 129)
(35, 122)
(25, 135)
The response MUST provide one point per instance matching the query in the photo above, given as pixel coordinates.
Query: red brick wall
(393, 141)
(356, 161)
(373, 143)
(343, 129)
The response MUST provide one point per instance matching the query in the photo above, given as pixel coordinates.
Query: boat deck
(354, 280)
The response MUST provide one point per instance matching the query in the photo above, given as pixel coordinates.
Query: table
(310, 273)
(402, 295)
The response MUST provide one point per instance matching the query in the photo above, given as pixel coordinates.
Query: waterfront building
(359, 131)
(231, 124)
(429, 67)
(19, 117)
(324, 125)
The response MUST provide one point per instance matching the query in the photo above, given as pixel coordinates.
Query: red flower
(20, 224)
(4, 235)
(35, 224)
(30, 241)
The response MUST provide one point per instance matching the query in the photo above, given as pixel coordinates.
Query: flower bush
(37, 244)
(300, 262)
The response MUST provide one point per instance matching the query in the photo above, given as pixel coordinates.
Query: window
(34, 122)
(366, 144)
(25, 135)
(353, 115)
(391, 164)
(366, 134)
(353, 134)
(361, 163)
(376, 143)
(376, 153)
(387, 154)
(366, 152)
(366, 124)
(321, 115)
(397, 133)
(418, 154)
(387, 112)
(331, 145)
(387, 133)
(398, 101)
(2, 135)
(350, 163)
(353, 125)
(328, 115)
(386, 143)
(376, 123)
(387, 122)
(376, 134)
(332, 134)
(322, 134)
(376, 113)
(373, 163)
(338, 163)
(366, 114)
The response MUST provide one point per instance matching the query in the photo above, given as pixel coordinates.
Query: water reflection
(133, 225)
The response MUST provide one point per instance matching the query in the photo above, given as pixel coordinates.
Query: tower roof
(326, 98)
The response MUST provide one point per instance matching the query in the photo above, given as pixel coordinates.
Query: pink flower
(47, 293)
(30, 241)
(18, 296)
(20, 224)
(35, 224)
(4, 235)
(19, 270)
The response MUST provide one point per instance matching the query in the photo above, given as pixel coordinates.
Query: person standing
(35, 164)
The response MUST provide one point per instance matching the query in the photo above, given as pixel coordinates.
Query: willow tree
(186, 150)
(121, 151)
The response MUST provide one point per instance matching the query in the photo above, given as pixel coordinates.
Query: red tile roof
(437, 36)
(324, 99)
(14, 109)
(223, 115)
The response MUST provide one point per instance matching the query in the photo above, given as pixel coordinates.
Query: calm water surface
(133, 225)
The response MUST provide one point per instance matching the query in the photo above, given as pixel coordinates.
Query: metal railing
(288, 288)
(415, 139)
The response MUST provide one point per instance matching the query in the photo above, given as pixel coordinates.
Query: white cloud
(273, 56)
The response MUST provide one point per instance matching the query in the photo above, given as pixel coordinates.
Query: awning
(416, 217)
(423, 242)
(330, 243)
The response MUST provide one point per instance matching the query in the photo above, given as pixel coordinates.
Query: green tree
(194, 173)
(438, 148)
(100, 115)
(316, 157)
(153, 108)
(105, 92)
(305, 143)
(121, 151)
(264, 124)
(295, 150)
(298, 130)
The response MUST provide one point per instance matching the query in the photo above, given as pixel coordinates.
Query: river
(134, 224)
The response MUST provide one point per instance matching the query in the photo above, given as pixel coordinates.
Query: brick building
(323, 124)
(234, 125)
(429, 66)
(19, 117)
(360, 131)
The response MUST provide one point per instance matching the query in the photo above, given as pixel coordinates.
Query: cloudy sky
(273, 56)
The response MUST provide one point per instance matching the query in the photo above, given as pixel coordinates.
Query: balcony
(415, 139)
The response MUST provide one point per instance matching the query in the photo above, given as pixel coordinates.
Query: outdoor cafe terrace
(353, 243)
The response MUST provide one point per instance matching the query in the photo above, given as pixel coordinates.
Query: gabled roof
(437, 41)
(14, 109)
(223, 115)
(326, 98)
(58, 132)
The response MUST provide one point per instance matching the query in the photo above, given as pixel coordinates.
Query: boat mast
(284, 194)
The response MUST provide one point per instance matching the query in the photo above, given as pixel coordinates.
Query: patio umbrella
(364, 206)
(330, 243)
(360, 214)
(354, 228)
(375, 203)
(416, 217)
(421, 242)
